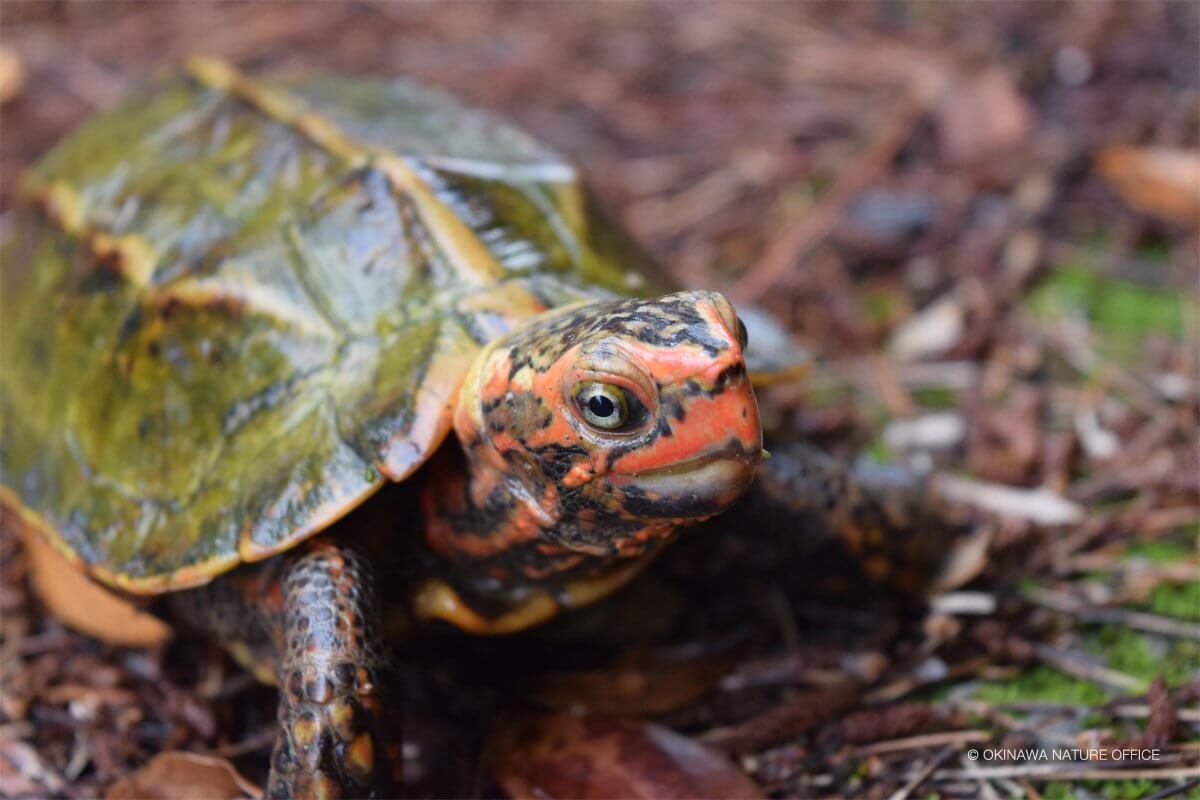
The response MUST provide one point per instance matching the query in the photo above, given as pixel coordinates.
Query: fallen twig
(1067, 772)
(787, 721)
(925, 740)
(1065, 603)
(1173, 791)
(922, 776)
(1140, 620)
(909, 683)
(1079, 666)
(1042, 506)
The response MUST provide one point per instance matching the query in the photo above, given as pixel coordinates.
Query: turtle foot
(330, 742)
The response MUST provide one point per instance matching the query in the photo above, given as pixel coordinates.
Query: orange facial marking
(445, 537)
(579, 475)
(707, 422)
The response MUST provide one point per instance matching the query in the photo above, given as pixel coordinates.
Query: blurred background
(981, 219)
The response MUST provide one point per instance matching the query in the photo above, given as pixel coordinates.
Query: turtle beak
(700, 486)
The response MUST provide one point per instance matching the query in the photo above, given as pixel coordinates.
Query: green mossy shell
(221, 331)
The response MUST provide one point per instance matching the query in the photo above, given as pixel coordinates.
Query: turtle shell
(232, 309)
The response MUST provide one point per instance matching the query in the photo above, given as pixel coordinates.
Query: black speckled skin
(890, 523)
(310, 620)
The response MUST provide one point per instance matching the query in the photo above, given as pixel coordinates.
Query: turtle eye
(603, 405)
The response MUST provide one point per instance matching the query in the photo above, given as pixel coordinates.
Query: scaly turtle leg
(309, 622)
(888, 521)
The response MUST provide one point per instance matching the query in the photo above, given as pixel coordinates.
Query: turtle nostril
(725, 312)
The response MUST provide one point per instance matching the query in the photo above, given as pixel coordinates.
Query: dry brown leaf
(931, 331)
(1160, 181)
(175, 775)
(592, 756)
(644, 682)
(12, 74)
(967, 557)
(983, 116)
(85, 605)
(629, 689)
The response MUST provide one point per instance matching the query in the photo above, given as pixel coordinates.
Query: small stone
(891, 215)
(12, 74)
(1072, 66)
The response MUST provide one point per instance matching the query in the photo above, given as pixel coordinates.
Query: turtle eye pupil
(601, 406)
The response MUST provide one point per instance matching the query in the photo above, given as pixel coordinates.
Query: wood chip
(931, 332)
(12, 74)
(1042, 506)
(1159, 181)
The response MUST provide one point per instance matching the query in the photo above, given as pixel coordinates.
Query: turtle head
(617, 415)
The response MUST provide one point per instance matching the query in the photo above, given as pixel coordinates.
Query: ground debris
(887, 722)
(23, 773)
(982, 117)
(1160, 181)
(184, 776)
(776, 725)
(567, 755)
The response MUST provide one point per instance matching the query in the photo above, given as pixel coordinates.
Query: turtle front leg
(309, 622)
(889, 522)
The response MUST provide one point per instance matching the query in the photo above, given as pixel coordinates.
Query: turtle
(234, 309)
